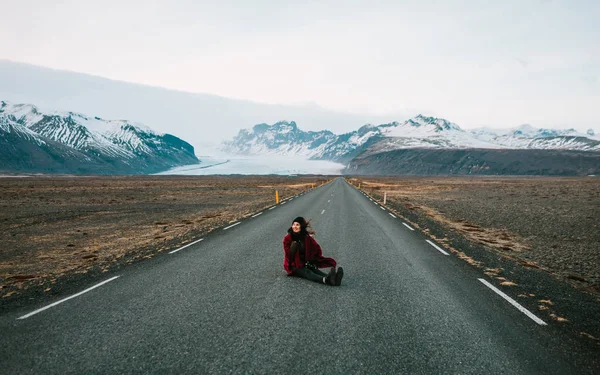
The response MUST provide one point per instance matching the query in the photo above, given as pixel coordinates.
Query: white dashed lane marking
(66, 299)
(514, 303)
(437, 247)
(408, 226)
(232, 225)
(183, 247)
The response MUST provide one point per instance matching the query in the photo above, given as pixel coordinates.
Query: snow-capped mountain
(9, 126)
(285, 138)
(280, 138)
(418, 132)
(114, 146)
(528, 137)
(427, 132)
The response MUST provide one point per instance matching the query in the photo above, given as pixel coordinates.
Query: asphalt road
(225, 305)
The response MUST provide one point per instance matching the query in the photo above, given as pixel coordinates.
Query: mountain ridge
(417, 132)
(468, 162)
(69, 142)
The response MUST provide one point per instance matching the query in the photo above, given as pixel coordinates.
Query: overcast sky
(476, 63)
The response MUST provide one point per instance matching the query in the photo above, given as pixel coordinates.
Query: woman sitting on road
(303, 255)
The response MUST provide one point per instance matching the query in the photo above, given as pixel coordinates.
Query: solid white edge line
(66, 299)
(260, 213)
(232, 225)
(392, 215)
(408, 226)
(437, 247)
(183, 247)
(514, 303)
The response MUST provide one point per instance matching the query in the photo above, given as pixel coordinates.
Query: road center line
(514, 303)
(322, 212)
(408, 226)
(66, 299)
(260, 213)
(437, 247)
(232, 225)
(183, 247)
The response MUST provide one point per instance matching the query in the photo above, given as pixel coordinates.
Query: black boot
(331, 276)
(338, 276)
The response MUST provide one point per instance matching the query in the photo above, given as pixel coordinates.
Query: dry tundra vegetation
(55, 227)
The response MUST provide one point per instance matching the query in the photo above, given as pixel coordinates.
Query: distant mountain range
(66, 142)
(285, 138)
(395, 144)
(419, 132)
(33, 141)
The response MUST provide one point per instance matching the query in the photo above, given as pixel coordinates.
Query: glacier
(257, 165)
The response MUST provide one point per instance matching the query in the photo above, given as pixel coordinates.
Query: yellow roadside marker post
(276, 196)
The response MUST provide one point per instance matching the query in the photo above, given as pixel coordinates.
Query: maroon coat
(312, 252)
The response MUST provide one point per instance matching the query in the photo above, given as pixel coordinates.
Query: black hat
(300, 220)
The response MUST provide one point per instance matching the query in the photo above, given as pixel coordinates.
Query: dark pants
(313, 275)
